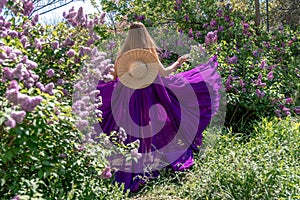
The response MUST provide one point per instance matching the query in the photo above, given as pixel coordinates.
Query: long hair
(138, 38)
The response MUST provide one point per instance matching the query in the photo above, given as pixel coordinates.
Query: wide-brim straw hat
(137, 68)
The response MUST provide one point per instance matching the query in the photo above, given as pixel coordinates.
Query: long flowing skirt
(167, 117)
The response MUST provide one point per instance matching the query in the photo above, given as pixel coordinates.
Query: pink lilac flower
(12, 33)
(18, 72)
(213, 23)
(134, 153)
(40, 86)
(38, 43)
(266, 44)
(35, 20)
(178, 5)
(54, 45)
(77, 59)
(198, 34)
(24, 40)
(29, 103)
(242, 83)
(30, 64)
(7, 73)
(70, 53)
(69, 42)
(278, 113)
(219, 13)
(12, 95)
(106, 173)
(13, 85)
(80, 16)
(10, 122)
(49, 88)
(255, 53)
(82, 124)
(246, 26)
(29, 82)
(270, 76)
(263, 64)
(205, 25)
(28, 7)
(220, 28)
(227, 18)
(288, 100)
(297, 110)
(232, 60)
(259, 94)
(18, 116)
(71, 14)
(190, 34)
(84, 50)
(60, 81)
(50, 73)
(211, 37)
(186, 17)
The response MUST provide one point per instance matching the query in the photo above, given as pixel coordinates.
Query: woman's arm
(166, 71)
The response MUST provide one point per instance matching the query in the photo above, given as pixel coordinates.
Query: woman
(167, 114)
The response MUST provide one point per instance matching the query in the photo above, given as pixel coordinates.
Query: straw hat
(137, 68)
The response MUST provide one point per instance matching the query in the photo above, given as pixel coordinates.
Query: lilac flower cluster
(232, 60)
(178, 4)
(211, 37)
(259, 82)
(2, 4)
(106, 173)
(86, 98)
(79, 19)
(24, 7)
(140, 17)
(26, 102)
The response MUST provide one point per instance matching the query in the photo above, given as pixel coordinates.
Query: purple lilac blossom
(297, 110)
(213, 23)
(278, 113)
(232, 60)
(227, 18)
(12, 95)
(219, 13)
(10, 122)
(186, 17)
(54, 45)
(211, 37)
(50, 73)
(263, 64)
(13, 85)
(70, 53)
(270, 76)
(40, 86)
(106, 173)
(18, 116)
(49, 88)
(259, 94)
(190, 34)
(288, 100)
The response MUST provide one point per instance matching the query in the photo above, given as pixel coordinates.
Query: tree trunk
(257, 14)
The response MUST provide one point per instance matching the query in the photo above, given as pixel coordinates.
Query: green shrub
(265, 167)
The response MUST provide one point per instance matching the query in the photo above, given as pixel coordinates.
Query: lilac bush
(42, 150)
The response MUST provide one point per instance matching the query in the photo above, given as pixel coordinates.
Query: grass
(265, 165)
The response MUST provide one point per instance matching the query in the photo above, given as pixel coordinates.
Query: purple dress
(168, 117)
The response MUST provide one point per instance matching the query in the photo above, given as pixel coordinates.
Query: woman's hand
(182, 59)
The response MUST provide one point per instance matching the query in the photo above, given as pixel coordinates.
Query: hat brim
(123, 66)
